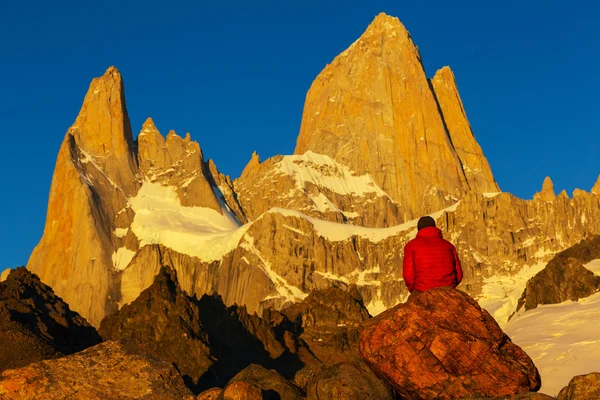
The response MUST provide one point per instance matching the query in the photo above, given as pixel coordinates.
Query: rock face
(373, 110)
(108, 370)
(167, 323)
(565, 277)
(347, 381)
(328, 321)
(582, 387)
(36, 325)
(273, 385)
(120, 209)
(442, 345)
(317, 186)
(475, 165)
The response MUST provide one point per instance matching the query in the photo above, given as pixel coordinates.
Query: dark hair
(425, 221)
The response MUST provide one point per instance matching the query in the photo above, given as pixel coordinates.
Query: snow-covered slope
(562, 339)
(196, 231)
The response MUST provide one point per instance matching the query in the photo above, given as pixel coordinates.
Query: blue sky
(235, 74)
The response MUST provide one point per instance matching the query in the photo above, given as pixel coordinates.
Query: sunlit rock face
(379, 144)
(374, 110)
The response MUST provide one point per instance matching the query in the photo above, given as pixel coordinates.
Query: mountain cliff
(379, 144)
(374, 110)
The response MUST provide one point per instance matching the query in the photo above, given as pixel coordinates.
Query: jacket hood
(430, 231)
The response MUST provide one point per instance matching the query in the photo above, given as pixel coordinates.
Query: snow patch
(593, 266)
(325, 172)
(122, 257)
(501, 293)
(336, 232)
(491, 195)
(562, 339)
(196, 231)
(121, 232)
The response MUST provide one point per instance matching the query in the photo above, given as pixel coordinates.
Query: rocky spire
(474, 163)
(547, 193)
(103, 130)
(596, 188)
(372, 110)
(252, 164)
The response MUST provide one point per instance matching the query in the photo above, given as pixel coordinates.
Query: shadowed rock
(35, 324)
(166, 322)
(273, 385)
(110, 370)
(328, 321)
(442, 345)
(347, 381)
(565, 277)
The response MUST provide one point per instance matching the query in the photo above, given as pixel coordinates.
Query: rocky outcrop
(317, 186)
(520, 396)
(372, 109)
(176, 162)
(347, 381)
(167, 323)
(37, 325)
(442, 345)
(475, 166)
(109, 370)
(328, 321)
(210, 394)
(547, 193)
(241, 391)
(273, 385)
(95, 173)
(582, 387)
(565, 277)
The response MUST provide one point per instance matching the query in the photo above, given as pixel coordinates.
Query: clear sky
(235, 74)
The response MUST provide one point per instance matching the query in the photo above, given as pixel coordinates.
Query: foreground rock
(347, 381)
(110, 370)
(582, 387)
(520, 396)
(167, 322)
(565, 277)
(272, 384)
(36, 325)
(328, 321)
(442, 345)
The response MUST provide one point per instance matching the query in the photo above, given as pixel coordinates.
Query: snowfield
(562, 339)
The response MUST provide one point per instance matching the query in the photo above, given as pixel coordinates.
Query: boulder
(273, 385)
(36, 325)
(565, 277)
(582, 387)
(241, 390)
(442, 345)
(210, 394)
(110, 370)
(347, 381)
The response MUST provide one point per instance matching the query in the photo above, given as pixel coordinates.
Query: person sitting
(430, 261)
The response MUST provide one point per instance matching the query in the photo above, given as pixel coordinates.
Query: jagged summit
(547, 193)
(596, 187)
(373, 110)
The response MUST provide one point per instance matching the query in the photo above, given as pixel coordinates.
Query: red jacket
(430, 262)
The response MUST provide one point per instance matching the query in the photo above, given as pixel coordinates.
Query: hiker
(430, 261)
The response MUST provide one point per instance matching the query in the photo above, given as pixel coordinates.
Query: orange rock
(242, 391)
(373, 110)
(210, 394)
(475, 165)
(442, 345)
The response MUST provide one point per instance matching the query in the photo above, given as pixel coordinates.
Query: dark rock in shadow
(36, 325)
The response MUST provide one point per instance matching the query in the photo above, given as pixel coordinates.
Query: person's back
(430, 261)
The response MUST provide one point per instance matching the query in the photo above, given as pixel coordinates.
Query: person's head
(425, 221)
